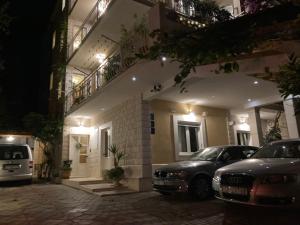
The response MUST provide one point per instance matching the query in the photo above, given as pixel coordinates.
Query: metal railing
(89, 22)
(179, 6)
(113, 66)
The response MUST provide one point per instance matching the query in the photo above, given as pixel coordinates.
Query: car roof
(230, 146)
(286, 141)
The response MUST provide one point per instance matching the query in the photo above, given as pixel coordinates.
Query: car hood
(184, 165)
(263, 166)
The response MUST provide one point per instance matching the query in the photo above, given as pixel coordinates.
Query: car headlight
(279, 179)
(217, 177)
(177, 174)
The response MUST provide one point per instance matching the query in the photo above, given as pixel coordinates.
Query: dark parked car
(195, 176)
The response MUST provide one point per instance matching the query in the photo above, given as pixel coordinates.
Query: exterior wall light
(10, 139)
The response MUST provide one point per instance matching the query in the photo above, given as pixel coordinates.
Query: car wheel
(201, 188)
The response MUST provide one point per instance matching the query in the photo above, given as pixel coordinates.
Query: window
(63, 5)
(13, 152)
(152, 123)
(243, 137)
(234, 154)
(51, 82)
(54, 39)
(189, 137)
(59, 90)
(105, 136)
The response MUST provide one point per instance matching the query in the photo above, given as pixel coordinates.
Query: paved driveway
(57, 204)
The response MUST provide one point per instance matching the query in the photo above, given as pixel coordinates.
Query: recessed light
(164, 58)
(133, 78)
(101, 57)
(255, 82)
(249, 99)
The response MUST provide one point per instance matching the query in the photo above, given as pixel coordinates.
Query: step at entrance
(97, 186)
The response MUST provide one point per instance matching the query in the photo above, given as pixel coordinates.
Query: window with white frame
(189, 137)
(63, 5)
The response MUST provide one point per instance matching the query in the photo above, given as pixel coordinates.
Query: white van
(15, 163)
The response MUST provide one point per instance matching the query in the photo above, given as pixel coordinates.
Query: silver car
(270, 178)
(15, 163)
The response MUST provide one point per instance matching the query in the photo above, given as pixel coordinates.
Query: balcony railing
(93, 17)
(96, 80)
(122, 59)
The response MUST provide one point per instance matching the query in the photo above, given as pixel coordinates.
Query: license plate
(159, 182)
(235, 190)
(12, 167)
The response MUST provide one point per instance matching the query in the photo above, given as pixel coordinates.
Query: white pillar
(291, 119)
(255, 127)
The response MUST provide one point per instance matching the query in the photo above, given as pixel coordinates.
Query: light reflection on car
(195, 175)
(270, 178)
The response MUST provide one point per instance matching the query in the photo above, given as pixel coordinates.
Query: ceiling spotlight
(133, 78)
(249, 99)
(101, 57)
(256, 82)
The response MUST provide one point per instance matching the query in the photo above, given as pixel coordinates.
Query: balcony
(90, 21)
(110, 68)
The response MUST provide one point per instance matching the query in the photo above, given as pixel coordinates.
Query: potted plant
(66, 169)
(116, 174)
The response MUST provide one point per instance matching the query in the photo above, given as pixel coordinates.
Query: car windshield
(13, 152)
(208, 154)
(279, 150)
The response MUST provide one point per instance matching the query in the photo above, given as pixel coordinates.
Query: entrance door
(79, 145)
(105, 143)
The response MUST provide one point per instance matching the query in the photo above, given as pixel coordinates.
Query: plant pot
(66, 174)
(117, 183)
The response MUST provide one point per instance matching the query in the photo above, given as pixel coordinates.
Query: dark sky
(27, 56)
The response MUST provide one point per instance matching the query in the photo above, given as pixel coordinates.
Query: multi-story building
(112, 98)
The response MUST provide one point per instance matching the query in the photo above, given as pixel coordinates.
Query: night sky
(27, 56)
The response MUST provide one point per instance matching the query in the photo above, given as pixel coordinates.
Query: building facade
(112, 98)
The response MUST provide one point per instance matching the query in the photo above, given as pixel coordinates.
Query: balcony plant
(116, 174)
(134, 40)
(111, 68)
(66, 169)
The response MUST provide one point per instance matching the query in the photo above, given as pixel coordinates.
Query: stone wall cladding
(131, 133)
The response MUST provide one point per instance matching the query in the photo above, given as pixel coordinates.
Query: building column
(293, 121)
(255, 127)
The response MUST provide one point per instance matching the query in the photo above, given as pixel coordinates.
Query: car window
(280, 150)
(13, 152)
(233, 154)
(249, 151)
(208, 154)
